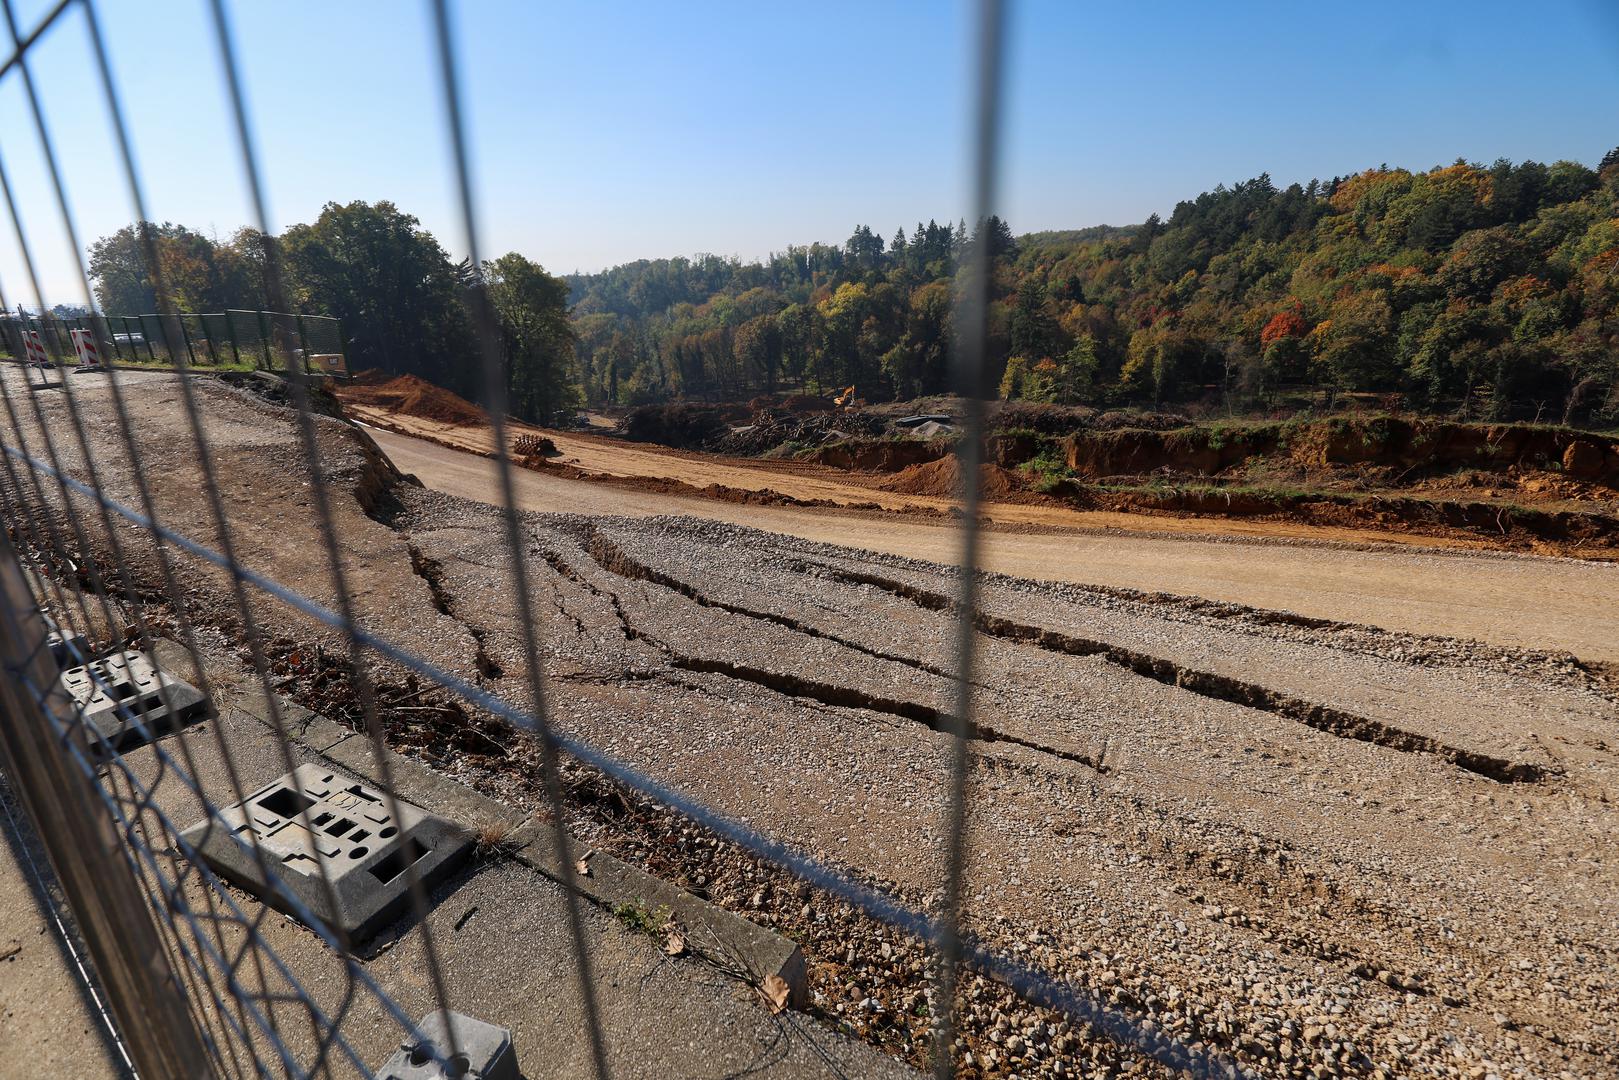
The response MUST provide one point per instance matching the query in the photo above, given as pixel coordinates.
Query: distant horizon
(497, 249)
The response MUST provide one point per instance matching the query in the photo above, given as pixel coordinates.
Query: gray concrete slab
(349, 865)
(125, 699)
(507, 957)
(47, 1018)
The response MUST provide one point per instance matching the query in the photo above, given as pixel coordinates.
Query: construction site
(1277, 800)
(1181, 647)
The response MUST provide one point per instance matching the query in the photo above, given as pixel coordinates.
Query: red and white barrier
(34, 349)
(84, 345)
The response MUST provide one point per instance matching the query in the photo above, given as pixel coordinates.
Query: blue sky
(604, 131)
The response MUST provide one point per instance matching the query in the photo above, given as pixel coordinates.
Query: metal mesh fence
(182, 798)
(235, 338)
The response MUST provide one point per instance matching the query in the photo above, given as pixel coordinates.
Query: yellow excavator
(845, 400)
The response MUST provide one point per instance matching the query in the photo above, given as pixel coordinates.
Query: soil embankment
(1415, 448)
(1510, 487)
(408, 395)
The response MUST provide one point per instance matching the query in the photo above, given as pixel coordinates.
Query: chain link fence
(182, 832)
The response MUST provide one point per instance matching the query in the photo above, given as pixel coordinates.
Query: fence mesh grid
(200, 977)
(236, 338)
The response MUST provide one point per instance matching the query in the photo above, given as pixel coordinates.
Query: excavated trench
(1324, 718)
(797, 686)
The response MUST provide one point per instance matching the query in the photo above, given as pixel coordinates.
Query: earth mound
(943, 478)
(408, 395)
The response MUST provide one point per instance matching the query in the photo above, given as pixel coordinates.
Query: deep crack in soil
(790, 685)
(1220, 687)
(431, 571)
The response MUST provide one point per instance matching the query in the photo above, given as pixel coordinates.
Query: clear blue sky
(604, 132)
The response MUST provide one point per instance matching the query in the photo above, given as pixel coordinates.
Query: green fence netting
(235, 338)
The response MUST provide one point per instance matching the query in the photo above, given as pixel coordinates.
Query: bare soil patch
(1548, 491)
(408, 395)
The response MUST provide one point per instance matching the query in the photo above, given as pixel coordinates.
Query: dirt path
(806, 481)
(1522, 601)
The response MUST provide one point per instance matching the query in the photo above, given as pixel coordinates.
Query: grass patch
(643, 920)
(1046, 470)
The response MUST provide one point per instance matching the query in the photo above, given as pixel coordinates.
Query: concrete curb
(731, 943)
(736, 946)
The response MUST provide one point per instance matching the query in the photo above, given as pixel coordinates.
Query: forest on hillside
(405, 306)
(1482, 292)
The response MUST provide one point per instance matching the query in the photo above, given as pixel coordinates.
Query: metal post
(185, 336)
(303, 343)
(230, 331)
(264, 339)
(208, 340)
(84, 847)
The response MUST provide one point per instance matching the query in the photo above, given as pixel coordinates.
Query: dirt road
(1523, 601)
(604, 455)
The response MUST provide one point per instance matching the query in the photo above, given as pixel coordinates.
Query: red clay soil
(943, 478)
(410, 396)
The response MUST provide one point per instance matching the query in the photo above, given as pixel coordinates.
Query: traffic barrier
(84, 347)
(34, 350)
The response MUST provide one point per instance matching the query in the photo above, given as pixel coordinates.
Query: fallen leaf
(582, 867)
(775, 991)
(675, 943)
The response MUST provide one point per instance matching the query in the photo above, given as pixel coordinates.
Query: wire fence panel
(236, 338)
(153, 635)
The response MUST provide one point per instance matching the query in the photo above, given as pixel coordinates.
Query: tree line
(1481, 291)
(405, 306)
(1484, 291)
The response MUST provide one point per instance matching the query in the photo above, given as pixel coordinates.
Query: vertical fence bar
(970, 373)
(495, 392)
(84, 848)
(185, 336)
(264, 340)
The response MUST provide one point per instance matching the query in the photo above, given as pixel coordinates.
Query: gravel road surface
(1526, 601)
(1332, 812)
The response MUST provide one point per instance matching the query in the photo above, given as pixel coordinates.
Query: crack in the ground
(847, 697)
(1324, 718)
(615, 560)
(431, 571)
